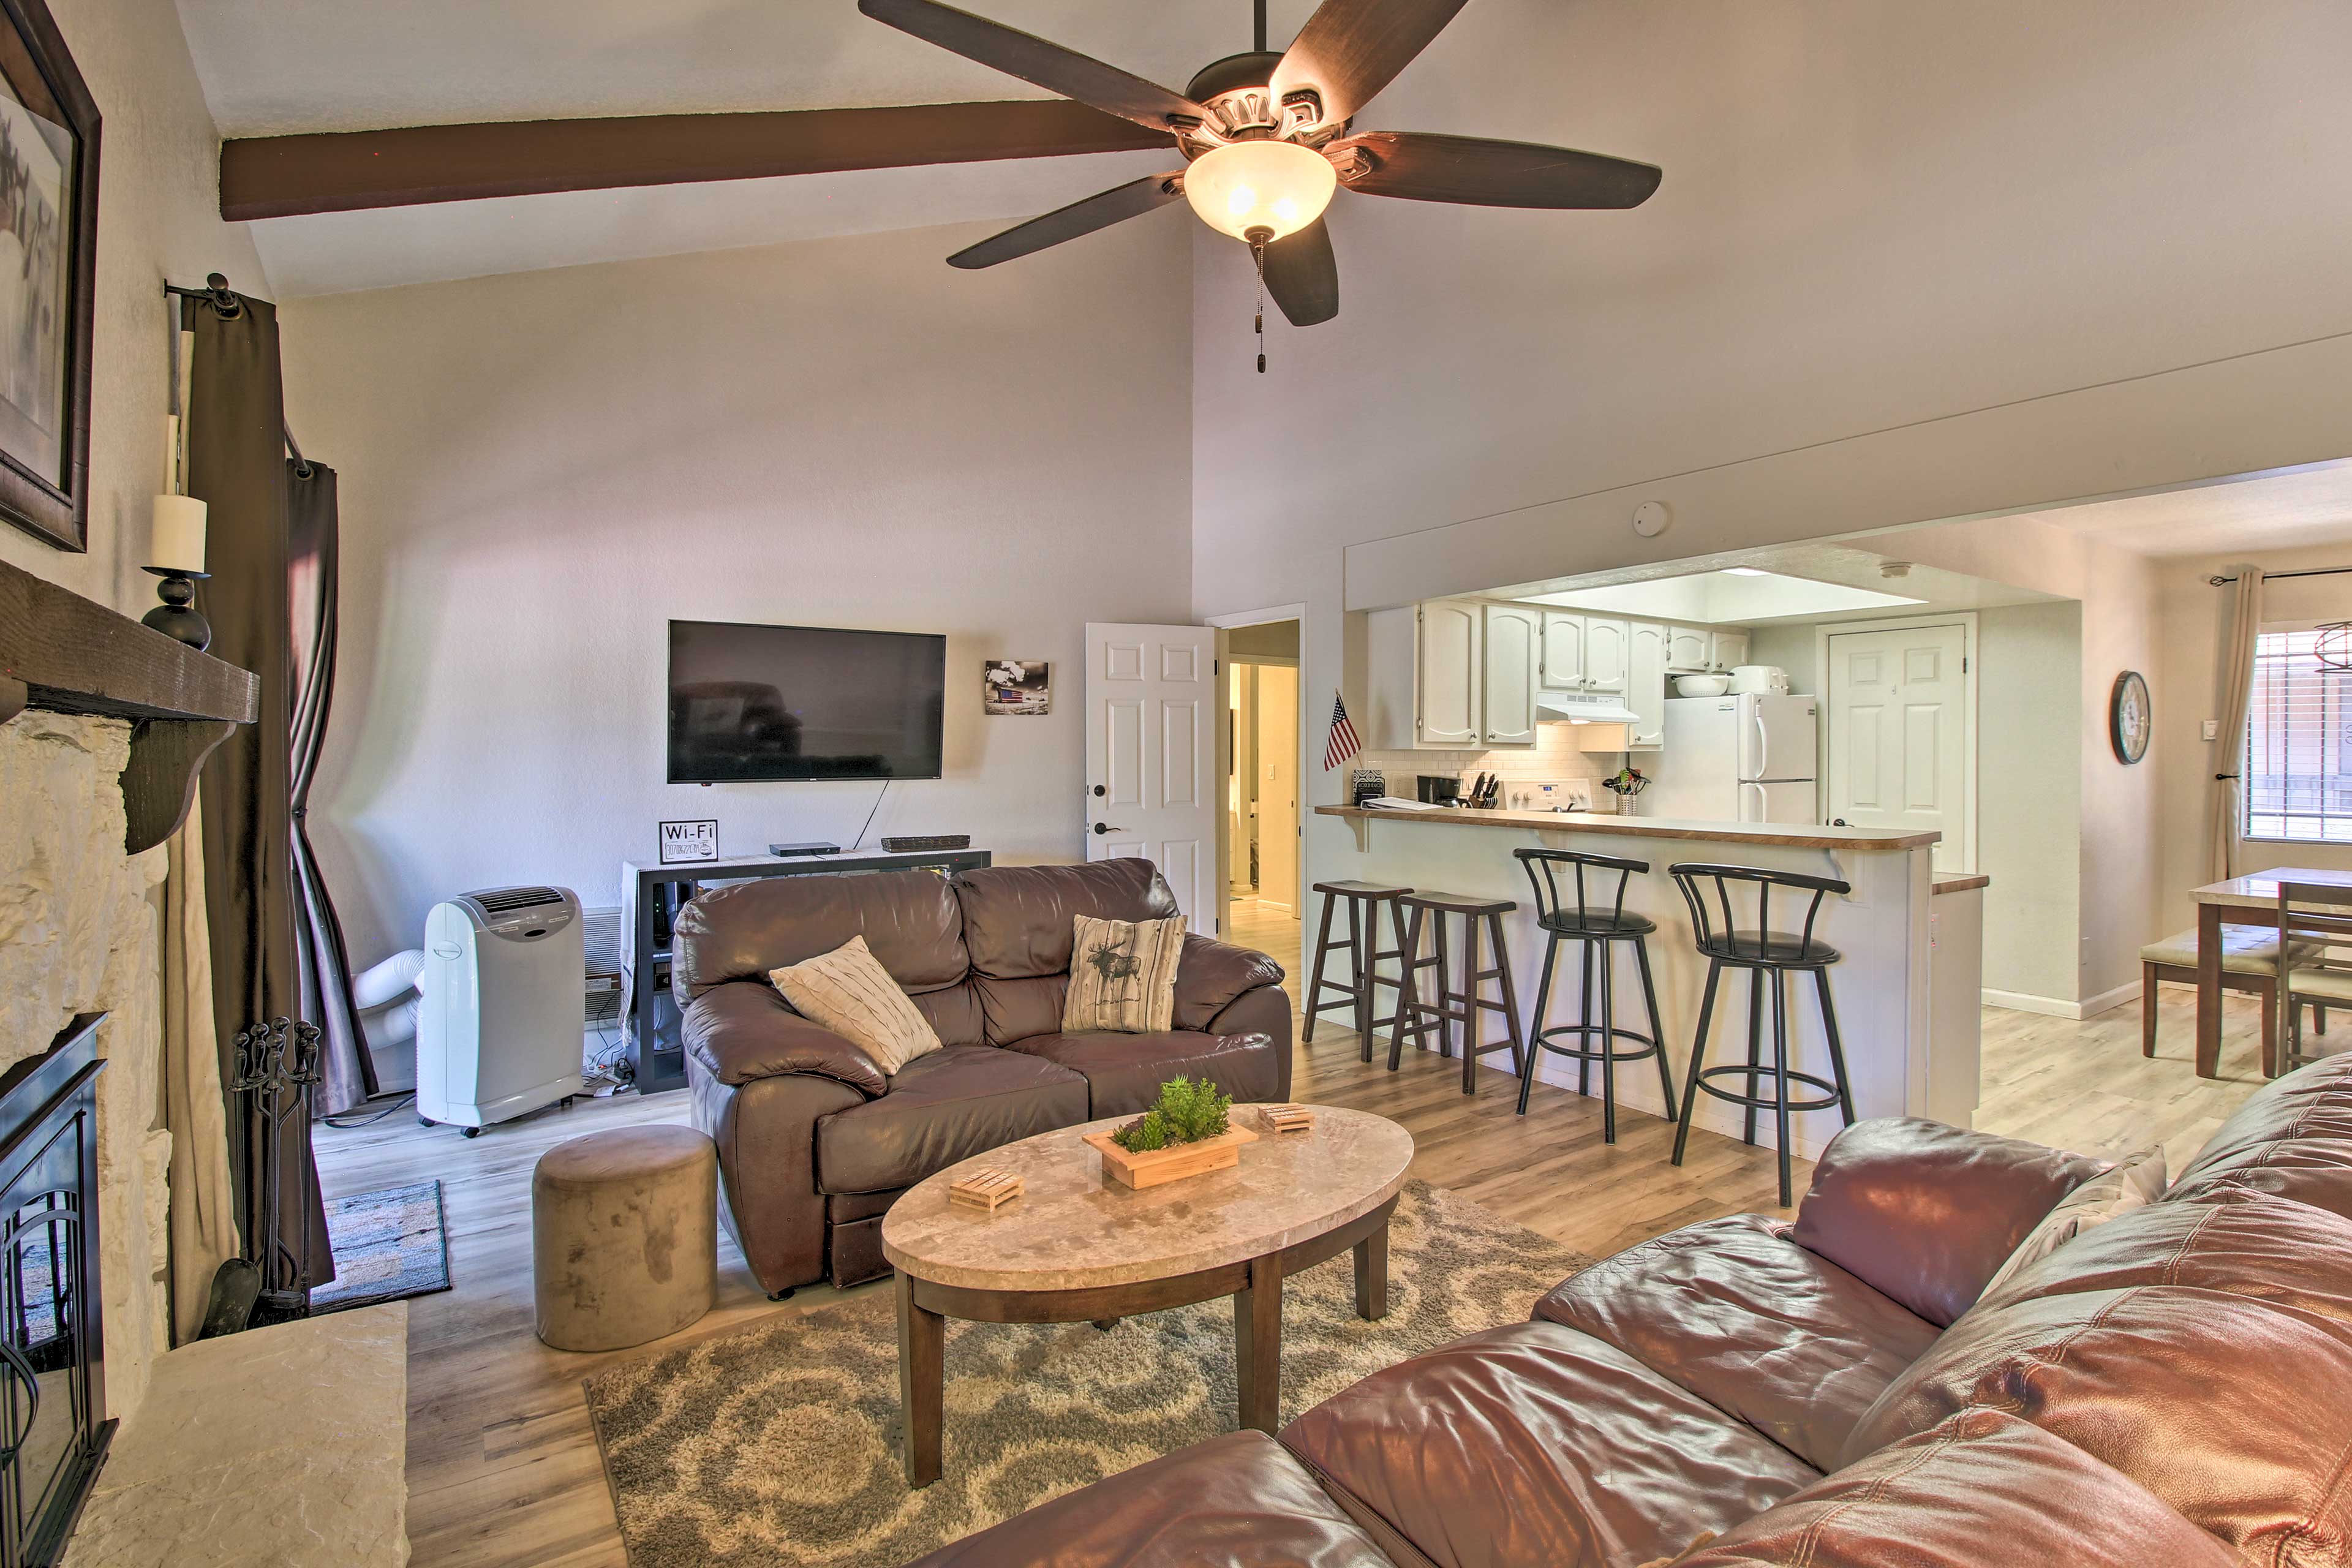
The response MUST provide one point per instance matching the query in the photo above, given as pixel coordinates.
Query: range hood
(1583, 707)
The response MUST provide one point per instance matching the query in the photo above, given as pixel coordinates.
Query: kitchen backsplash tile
(1551, 757)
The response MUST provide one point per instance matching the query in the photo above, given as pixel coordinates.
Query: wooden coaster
(1288, 1118)
(986, 1189)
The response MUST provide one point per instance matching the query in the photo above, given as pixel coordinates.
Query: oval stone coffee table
(1078, 1247)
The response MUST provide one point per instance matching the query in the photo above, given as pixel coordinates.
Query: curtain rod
(2306, 572)
(221, 298)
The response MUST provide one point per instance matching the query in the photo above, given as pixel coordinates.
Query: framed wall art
(48, 239)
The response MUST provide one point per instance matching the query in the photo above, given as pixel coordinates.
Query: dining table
(2250, 901)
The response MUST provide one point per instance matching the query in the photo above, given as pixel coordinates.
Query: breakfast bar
(1905, 986)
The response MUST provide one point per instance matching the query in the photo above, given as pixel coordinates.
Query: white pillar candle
(179, 538)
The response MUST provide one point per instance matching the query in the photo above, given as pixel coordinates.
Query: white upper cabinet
(1687, 650)
(1447, 675)
(1607, 647)
(1563, 651)
(1726, 651)
(1513, 664)
(1645, 686)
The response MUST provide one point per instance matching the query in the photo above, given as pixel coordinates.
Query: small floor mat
(388, 1245)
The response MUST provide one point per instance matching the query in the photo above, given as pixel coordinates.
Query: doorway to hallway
(1264, 881)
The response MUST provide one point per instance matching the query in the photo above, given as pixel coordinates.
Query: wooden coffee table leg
(1257, 1345)
(922, 1342)
(1372, 1275)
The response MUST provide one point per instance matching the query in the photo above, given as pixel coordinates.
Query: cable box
(917, 843)
(814, 846)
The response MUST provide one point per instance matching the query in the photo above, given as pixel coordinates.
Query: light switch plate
(2212, 728)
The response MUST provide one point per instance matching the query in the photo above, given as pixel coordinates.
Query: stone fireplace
(81, 931)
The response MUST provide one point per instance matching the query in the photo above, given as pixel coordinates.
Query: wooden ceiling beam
(287, 176)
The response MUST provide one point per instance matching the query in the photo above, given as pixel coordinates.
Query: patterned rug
(777, 1446)
(388, 1245)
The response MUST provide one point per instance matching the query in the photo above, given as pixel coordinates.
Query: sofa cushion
(1981, 1488)
(956, 1102)
(1124, 1072)
(2292, 1137)
(911, 922)
(1928, 1213)
(1233, 1501)
(1533, 1444)
(2134, 1181)
(2237, 1411)
(1734, 1311)
(1017, 919)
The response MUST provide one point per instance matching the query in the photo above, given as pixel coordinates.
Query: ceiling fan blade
(1349, 49)
(1303, 275)
(1100, 211)
(1032, 60)
(1475, 172)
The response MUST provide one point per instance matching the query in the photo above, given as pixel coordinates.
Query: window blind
(2298, 765)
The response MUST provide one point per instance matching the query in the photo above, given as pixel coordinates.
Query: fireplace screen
(52, 1387)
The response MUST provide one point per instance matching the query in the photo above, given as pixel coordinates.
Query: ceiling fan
(1265, 137)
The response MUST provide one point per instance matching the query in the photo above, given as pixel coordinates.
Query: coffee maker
(1438, 789)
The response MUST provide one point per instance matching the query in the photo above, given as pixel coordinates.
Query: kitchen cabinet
(1688, 649)
(1511, 670)
(1645, 686)
(1607, 647)
(1563, 651)
(1447, 673)
(1726, 649)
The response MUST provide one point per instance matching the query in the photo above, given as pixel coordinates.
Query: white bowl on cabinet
(1702, 685)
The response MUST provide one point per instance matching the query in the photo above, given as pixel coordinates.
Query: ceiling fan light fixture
(1245, 186)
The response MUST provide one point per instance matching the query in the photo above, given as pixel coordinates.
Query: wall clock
(2128, 718)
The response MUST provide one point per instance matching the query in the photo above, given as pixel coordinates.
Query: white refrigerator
(1748, 758)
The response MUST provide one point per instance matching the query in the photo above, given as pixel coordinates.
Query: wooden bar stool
(1761, 951)
(1596, 927)
(1362, 946)
(1450, 1006)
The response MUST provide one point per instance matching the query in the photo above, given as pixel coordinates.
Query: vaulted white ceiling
(283, 67)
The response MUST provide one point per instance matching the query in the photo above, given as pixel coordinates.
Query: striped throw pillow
(849, 991)
(1123, 976)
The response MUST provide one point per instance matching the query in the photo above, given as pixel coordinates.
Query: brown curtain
(310, 598)
(236, 465)
(2241, 620)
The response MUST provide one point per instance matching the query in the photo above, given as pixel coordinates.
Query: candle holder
(177, 616)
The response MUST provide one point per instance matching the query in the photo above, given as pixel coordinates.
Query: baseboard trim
(2053, 1007)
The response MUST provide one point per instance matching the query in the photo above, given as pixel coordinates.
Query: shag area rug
(777, 1446)
(388, 1245)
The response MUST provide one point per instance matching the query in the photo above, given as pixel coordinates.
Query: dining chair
(2314, 921)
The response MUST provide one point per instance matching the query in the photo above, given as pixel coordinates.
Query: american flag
(1343, 744)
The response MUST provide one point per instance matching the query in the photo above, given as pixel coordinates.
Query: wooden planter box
(1174, 1163)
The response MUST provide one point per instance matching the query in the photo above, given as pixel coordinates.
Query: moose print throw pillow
(1123, 976)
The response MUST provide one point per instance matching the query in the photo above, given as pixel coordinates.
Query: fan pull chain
(1257, 253)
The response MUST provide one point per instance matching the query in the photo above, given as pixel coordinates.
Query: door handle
(1098, 791)
(1102, 827)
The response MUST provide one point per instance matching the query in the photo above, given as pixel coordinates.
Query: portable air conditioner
(499, 1034)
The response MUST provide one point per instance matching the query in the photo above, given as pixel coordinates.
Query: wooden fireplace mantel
(66, 654)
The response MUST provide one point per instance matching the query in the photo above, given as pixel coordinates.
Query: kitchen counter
(1905, 986)
(1788, 836)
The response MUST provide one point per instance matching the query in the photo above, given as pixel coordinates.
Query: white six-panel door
(1899, 734)
(1151, 755)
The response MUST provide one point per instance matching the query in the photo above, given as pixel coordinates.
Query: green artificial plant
(1185, 1112)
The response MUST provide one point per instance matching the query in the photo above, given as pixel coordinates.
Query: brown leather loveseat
(2172, 1389)
(814, 1143)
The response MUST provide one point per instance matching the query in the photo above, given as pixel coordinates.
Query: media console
(649, 1018)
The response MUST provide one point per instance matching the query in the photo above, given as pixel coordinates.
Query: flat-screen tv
(752, 703)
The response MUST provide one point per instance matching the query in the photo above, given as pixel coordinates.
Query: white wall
(1908, 263)
(2191, 610)
(540, 470)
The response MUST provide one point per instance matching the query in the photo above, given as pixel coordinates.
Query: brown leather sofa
(2172, 1389)
(814, 1143)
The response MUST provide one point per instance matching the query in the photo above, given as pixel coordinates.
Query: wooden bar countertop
(1806, 837)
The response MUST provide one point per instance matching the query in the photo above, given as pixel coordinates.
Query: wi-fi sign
(685, 841)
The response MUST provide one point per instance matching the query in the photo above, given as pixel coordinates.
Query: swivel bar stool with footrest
(1596, 927)
(1451, 1006)
(1362, 946)
(1761, 951)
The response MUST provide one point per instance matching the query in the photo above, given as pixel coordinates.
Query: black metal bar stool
(1596, 928)
(1451, 1006)
(1761, 951)
(1362, 946)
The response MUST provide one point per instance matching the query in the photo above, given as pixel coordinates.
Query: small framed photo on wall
(1016, 686)
(48, 237)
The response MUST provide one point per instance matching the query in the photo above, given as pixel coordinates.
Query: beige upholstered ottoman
(623, 1235)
